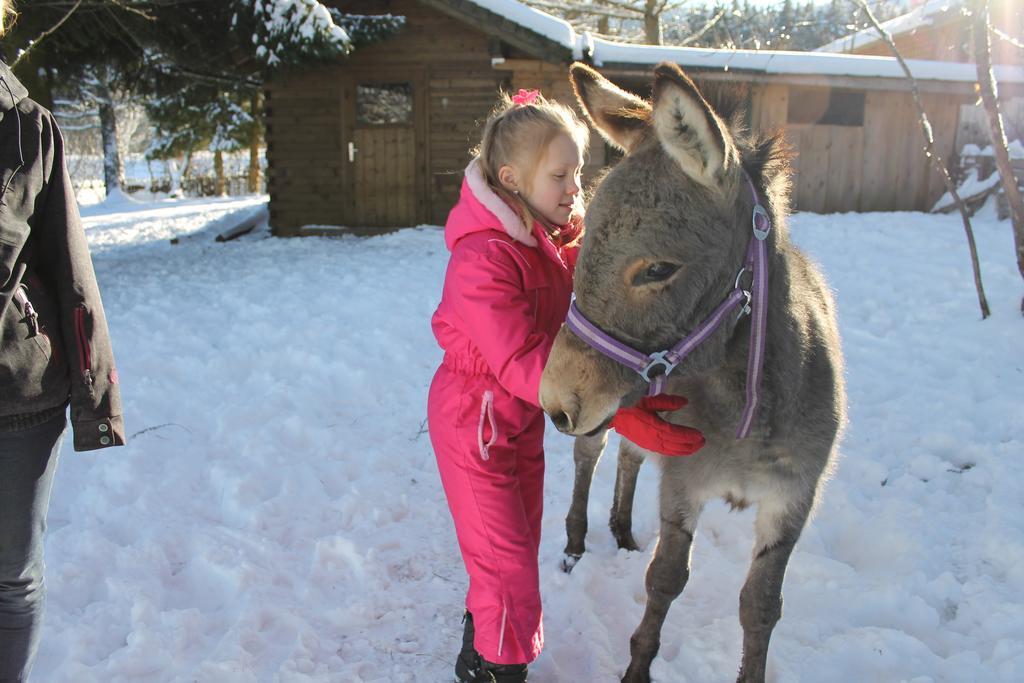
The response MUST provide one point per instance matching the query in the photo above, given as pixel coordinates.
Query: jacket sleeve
(63, 257)
(499, 318)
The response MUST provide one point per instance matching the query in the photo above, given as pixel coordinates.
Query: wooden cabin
(938, 30)
(379, 140)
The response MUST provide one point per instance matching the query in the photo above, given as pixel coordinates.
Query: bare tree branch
(980, 26)
(134, 10)
(933, 155)
(45, 33)
(1008, 38)
(694, 37)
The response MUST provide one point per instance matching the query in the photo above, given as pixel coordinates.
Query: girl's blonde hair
(520, 134)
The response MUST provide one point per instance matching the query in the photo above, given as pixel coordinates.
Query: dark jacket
(54, 344)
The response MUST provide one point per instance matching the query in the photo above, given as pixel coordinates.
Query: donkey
(663, 259)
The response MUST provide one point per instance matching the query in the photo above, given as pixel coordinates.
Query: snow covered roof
(554, 29)
(926, 14)
(604, 53)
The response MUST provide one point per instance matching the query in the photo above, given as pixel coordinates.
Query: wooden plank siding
(880, 166)
(304, 160)
(768, 106)
(460, 100)
(846, 157)
(946, 42)
(385, 177)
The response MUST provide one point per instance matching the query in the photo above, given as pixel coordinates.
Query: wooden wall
(879, 166)
(304, 151)
(945, 43)
(460, 100)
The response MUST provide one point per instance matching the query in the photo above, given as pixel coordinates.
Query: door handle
(352, 151)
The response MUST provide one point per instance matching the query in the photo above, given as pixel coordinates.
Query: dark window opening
(381, 104)
(825, 106)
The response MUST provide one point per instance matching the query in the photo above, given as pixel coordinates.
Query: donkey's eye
(656, 272)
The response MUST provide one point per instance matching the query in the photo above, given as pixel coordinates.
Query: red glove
(643, 426)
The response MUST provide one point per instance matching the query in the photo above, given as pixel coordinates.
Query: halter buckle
(760, 213)
(745, 309)
(658, 358)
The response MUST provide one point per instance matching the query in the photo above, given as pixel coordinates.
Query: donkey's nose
(561, 420)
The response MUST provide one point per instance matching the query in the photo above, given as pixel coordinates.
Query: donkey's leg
(779, 524)
(666, 577)
(621, 522)
(585, 453)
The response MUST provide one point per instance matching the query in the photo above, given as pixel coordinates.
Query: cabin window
(382, 104)
(825, 107)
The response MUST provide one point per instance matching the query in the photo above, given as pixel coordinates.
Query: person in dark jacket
(54, 350)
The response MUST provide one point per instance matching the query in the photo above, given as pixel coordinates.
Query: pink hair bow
(524, 97)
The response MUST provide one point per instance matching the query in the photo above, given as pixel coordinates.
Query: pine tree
(164, 46)
(223, 88)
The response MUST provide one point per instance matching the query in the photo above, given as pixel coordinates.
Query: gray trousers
(28, 460)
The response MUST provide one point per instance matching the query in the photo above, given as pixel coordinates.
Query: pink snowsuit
(506, 293)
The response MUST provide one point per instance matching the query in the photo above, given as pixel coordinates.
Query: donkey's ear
(619, 116)
(688, 128)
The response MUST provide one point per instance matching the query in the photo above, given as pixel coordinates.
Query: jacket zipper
(486, 414)
(84, 352)
(29, 311)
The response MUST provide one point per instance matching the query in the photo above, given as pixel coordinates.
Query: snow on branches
(282, 28)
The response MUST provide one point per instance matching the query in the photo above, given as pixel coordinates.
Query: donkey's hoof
(746, 677)
(636, 675)
(569, 561)
(627, 542)
(623, 532)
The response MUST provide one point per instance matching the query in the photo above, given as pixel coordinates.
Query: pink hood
(479, 208)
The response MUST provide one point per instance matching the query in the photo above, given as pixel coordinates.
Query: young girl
(513, 238)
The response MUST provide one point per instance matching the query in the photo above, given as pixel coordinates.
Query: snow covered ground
(278, 516)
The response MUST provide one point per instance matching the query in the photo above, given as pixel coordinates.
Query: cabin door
(382, 152)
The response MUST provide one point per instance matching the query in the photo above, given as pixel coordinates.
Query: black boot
(470, 667)
(468, 660)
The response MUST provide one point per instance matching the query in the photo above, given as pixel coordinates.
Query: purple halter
(754, 301)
